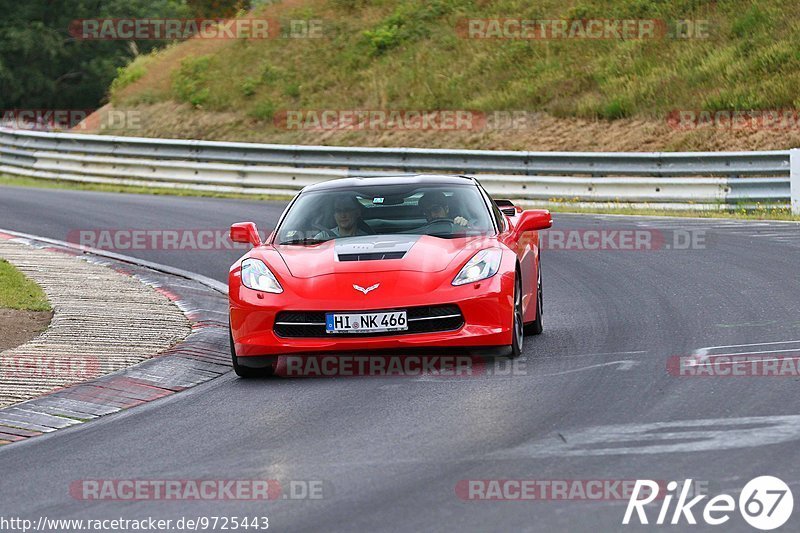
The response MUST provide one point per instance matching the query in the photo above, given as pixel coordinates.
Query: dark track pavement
(392, 450)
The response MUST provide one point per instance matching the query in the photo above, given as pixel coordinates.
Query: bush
(249, 86)
(409, 22)
(749, 23)
(264, 110)
(292, 90)
(615, 109)
(384, 38)
(349, 6)
(127, 75)
(189, 81)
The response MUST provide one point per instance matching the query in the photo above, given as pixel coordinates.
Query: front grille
(420, 320)
(371, 256)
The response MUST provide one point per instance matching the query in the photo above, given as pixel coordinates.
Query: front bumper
(486, 308)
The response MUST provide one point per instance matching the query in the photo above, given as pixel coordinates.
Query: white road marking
(749, 352)
(702, 359)
(692, 363)
(680, 436)
(593, 354)
(623, 365)
(704, 354)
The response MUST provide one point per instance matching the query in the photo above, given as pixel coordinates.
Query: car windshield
(444, 211)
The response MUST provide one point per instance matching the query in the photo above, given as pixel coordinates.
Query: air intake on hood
(371, 256)
(375, 248)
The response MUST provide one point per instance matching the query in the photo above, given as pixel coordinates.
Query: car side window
(496, 213)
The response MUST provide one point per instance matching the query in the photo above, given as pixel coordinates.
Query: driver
(434, 206)
(347, 213)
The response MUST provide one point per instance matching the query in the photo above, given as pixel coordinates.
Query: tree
(42, 66)
(217, 8)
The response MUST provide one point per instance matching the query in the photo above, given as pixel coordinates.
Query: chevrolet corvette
(387, 265)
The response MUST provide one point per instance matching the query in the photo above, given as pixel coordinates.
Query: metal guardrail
(691, 179)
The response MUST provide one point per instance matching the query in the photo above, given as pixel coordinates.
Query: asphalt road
(591, 399)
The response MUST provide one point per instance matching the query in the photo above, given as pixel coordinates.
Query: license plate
(365, 322)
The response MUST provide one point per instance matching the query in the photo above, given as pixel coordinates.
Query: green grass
(14, 181)
(18, 292)
(760, 213)
(133, 72)
(407, 54)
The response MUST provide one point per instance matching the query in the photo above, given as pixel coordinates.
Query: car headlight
(484, 264)
(257, 276)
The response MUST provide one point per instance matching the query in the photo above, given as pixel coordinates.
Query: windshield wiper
(304, 241)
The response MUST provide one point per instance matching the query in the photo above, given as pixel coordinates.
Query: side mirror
(507, 207)
(245, 232)
(533, 220)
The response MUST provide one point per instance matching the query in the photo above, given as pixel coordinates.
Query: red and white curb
(103, 321)
(202, 355)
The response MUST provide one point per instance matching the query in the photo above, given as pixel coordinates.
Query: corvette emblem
(367, 290)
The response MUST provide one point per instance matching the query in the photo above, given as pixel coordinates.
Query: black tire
(518, 326)
(244, 371)
(537, 326)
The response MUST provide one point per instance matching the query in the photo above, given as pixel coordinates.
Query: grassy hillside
(407, 54)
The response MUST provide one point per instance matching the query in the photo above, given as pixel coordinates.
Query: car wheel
(537, 326)
(518, 324)
(246, 372)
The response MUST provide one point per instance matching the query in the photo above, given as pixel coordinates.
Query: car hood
(376, 253)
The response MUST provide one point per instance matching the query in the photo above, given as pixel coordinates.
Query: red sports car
(387, 265)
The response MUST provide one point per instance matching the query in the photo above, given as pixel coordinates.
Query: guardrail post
(794, 164)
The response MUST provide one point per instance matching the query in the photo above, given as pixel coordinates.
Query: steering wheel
(445, 225)
(366, 228)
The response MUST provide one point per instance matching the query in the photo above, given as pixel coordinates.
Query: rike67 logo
(765, 503)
